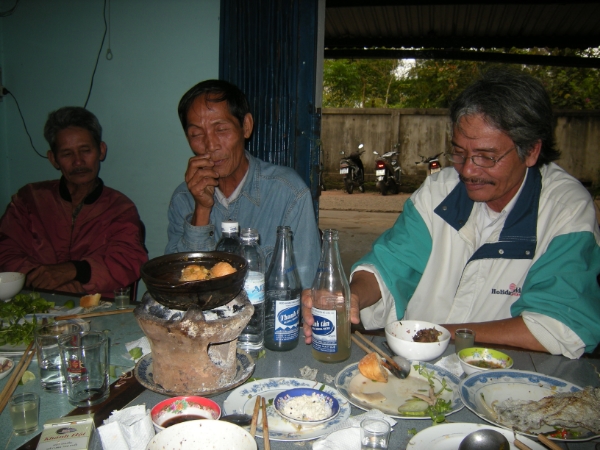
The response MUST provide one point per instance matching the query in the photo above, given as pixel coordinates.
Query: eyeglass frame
(493, 160)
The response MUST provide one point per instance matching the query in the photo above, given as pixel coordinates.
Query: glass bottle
(230, 239)
(282, 295)
(252, 337)
(331, 304)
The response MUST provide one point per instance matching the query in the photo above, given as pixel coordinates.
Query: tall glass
(48, 353)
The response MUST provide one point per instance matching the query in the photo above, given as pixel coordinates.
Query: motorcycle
(433, 163)
(388, 172)
(353, 170)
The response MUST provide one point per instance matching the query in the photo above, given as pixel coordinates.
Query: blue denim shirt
(271, 196)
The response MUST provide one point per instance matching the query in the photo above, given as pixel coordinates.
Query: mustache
(476, 180)
(80, 170)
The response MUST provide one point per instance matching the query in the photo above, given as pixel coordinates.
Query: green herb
(412, 431)
(437, 406)
(322, 388)
(14, 328)
(136, 353)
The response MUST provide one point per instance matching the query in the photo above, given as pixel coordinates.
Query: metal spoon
(238, 419)
(484, 440)
(401, 361)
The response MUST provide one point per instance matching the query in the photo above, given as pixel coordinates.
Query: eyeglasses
(478, 160)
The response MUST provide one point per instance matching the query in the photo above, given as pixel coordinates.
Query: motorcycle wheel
(349, 185)
(393, 187)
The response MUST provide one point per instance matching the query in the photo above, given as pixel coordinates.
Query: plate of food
(428, 391)
(533, 403)
(448, 436)
(243, 399)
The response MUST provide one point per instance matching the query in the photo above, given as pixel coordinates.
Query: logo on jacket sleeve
(513, 290)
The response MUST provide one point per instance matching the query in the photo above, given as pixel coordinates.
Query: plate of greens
(429, 392)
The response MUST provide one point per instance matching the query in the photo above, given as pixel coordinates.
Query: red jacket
(37, 228)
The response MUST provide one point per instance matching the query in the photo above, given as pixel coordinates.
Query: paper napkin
(127, 429)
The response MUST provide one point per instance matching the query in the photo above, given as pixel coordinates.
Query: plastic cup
(24, 412)
(374, 433)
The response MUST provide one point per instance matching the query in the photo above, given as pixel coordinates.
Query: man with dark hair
(73, 234)
(223, 182)
(505, 242)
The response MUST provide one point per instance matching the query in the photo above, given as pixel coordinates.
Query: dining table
(126, 390)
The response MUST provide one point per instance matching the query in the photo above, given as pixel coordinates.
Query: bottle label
(287, 319)
(324, 332)
(255, 287)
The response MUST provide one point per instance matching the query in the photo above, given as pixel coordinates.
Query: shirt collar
(63, 190)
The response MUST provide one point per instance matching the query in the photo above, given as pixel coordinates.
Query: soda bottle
(230, 239)
(331, 304)
(252, 337)
(282, 295)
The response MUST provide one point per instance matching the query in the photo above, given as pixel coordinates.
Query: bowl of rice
(305, 406)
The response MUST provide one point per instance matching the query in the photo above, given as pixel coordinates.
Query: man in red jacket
(73, 234)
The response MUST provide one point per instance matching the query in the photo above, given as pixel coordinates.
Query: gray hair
(71, 116)
(516, 104)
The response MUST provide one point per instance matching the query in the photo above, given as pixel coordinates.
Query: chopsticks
(94, 314)
(395, 368)
(266, 441)
(255, 416)
(11, 385)
(548, 443)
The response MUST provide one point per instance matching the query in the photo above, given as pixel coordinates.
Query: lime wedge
(27, 377)
(69, 304)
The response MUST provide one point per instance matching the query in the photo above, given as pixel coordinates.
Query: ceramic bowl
(479, 359)
(182, 409)
(292, 397)
(11, 284)
(161, 276)
(8, 364)
(205, 435)
(400, 334)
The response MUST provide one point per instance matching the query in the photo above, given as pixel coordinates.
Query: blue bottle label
(324, 333)
(287, 319)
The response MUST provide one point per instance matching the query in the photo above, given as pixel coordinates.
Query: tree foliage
(377, 83)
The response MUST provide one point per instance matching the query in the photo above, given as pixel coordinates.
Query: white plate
(500, 385)
(350, 382)
(242, 400)
(448, 436)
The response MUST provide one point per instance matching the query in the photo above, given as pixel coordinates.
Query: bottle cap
(249, 233)
(229, 227)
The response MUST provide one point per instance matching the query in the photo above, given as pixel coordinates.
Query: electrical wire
(97, 57)
(10, 11)
(24, 124)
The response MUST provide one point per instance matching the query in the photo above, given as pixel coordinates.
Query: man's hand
(51, 276)
(308, 319)
(201, 181)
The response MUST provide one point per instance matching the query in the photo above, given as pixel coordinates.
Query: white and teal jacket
(542, 264)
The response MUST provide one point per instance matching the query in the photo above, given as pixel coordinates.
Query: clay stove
(194, 350)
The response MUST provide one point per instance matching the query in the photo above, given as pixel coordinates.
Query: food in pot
(195, 272)
(579, 409)
(427, 335)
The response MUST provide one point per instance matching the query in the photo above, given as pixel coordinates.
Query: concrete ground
(360, 218)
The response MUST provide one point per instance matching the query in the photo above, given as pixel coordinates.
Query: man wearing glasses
(505, 242)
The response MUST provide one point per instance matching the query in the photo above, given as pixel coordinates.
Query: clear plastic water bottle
(230, 239)
(282, 295)
(331, 304)
(252, 337)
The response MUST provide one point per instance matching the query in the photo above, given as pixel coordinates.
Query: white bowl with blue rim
(322, 407)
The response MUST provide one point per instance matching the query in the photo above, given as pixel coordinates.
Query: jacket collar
(251, 189)
(88, 200)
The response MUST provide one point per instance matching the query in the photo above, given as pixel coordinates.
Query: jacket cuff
(84, 271)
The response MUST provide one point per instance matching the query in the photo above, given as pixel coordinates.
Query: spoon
(401, 361)
(484, 440)
(238, 419)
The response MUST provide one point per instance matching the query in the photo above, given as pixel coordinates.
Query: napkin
(128, 429)
(142, 343)
(346, 435)
(451, 364)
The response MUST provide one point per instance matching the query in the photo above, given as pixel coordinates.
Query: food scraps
(427, 335)
(195, 272)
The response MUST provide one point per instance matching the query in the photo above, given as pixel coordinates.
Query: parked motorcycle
(353, 170)
(433, 163)
(388, 172)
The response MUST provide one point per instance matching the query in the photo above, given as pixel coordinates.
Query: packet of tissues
(127, 429)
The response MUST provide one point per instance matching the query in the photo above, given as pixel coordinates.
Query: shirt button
(211, 233)
(444, 208)
(527, 252)
(501, 251)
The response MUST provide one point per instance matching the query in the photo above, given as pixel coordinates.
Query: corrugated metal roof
(469, 24)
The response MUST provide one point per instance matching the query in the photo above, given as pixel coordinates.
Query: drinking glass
(48, 354)
(374, 433)
(122, 297)
(463, 338)
(85, 367)
(24, 411)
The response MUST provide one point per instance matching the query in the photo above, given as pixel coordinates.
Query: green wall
(160, 48)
